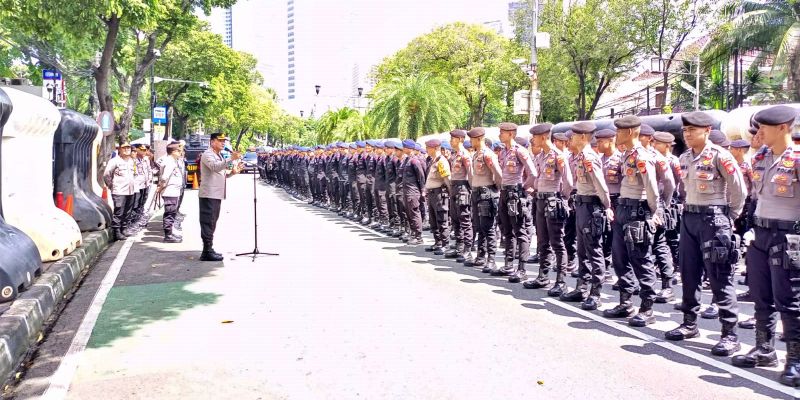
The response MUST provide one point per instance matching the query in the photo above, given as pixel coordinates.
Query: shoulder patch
(587, 164)
(642, 166)
(729, 165)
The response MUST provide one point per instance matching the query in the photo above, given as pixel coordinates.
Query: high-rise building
(228, 38)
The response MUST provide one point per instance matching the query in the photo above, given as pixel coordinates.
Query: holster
(637, 233)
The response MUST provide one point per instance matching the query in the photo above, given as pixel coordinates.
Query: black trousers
(413, 199)
(663, 257)
(382, 202)
(209, 214)
(484, 209)
(570, 236)
(516, 227)
(123, 207)
(774, 285)
(699, 234)
(550, 239)
(633, 261)
(170, 210)
(439, 209)
(590, 225)
(462, 214)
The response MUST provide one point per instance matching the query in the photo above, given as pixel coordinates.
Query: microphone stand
(255, 251)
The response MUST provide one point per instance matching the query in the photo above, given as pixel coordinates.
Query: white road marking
(663, 343)
(60, 381)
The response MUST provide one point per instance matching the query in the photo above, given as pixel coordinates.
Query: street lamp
(316, 88)
(360, 91)
(157, 79)
(301, 113)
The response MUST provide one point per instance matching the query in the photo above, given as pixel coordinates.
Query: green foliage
(416, 105)
(475, 60)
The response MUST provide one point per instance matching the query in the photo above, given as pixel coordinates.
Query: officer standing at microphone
(213, 169)
(715, 193)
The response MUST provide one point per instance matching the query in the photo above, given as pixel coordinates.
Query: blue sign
(160, 115)
(51, 74)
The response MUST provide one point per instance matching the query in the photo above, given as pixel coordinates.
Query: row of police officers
(600, 200)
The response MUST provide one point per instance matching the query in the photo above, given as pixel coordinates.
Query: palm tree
(411, 106)
(337, 125)
(771, 27)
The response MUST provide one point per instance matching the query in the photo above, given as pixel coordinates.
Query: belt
(438, 189)
(460, 182)
(512, 187)
(709, 209)
(792, 226)
(545, 195)
(580, 199)
(632, 202)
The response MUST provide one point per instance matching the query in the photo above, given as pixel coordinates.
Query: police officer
(634, 224)
(611, 159)
(666, 188)
(392, 163)
(401, 160)
(592, 208)
(773, 258)
(381, 204)
(553, 185)
(119, 179)
(437, 189)
(170, 181)
(743, 224)
(514, 210)
(485, 180)
(715, 193)
(369, 188)
(413, 187)
(212, 192)
(461, 169)
(141, 174)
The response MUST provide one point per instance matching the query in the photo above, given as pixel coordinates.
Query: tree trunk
(104, 98)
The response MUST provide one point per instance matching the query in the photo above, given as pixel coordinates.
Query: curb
(21, 325)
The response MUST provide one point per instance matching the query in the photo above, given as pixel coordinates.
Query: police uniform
(662, 254)
(437, 192)
(211, 193)
(369, 188)
(413, 187)
(392, 164)
(119, 179)
(381, 204)
(714, 194)
(611, 174)
(552, 186)
(592, 203)
(141, 174)
(633, 228)
(170, 182)
(485, 179)
(773, 258)
(461, 169)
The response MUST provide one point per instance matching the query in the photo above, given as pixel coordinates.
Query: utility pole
(697, 86)
(534, 62)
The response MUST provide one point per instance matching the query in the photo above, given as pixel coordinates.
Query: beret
(664, 137)
(584, 127)
(446, 145)
(417, 147)
(593, 142)
(646, 130)
(498, 146)
(467, 144)
(627, 122)
(476, 132)
(740, 144)
(218, 136)
(379, 144)
(753, 130)
(395, 144)
(353, 145)
(541, 129)
(776, 115)
(717, 137)
(433, 143)
(560, 136)
(697, 118)
(458, 133)
(605, 134)
(522, 141)
(409, 144)
(361, 144)
(341, 145)
(370, 142)
(795, 135)
(508, 126)
(488, 142)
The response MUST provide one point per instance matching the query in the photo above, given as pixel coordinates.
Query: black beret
(664, 137)
(646, 130)
(488, 142)
(717, 137)
(458, 133)
(628, 122)
(699, 119)
(584, 127)
(433, 143)
(508, 126)
(740, 144)
(753, 130)
(476, 132)
(522, 141)
(605, 134)
(541, 129)
(560, 136)
(776, 115)
(796, 136)
(593, 142)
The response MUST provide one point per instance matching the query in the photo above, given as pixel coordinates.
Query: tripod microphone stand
(255, 251)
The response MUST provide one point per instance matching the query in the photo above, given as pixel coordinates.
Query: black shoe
(534, 258)
(643, 318)
(557, 290)
(683, 331)
(574, 273)
(749, 323)
(463, 258)
(414, 242)
(438, 251)
(518, 276)
(172, 239)
(507, 269)
(489, 267)
(426, 226)
(479, 261)
(432, 247)
(118, 235)
(615, 287)
(451, 253)
(727, 345)
(665, 296)
(622, 310)
(210, 257)
(791, 371)
(591, 303)
(575, 296)
(762, 355)
(711, 312)
(540, 282)
(678, 306)
(744, 296)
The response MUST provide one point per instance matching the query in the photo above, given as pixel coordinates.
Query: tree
(407, 107)
(475, 60)
(345, 124)
(770, 27)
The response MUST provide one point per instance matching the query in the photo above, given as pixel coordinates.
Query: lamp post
(314, 108)
(153, 81)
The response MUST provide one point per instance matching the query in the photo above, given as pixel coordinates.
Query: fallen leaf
(540, 382)
(227, 321)
(39, 339)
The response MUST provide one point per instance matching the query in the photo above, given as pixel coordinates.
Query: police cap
(541, 129)
(646, 130)
(458, 133)
(776, 115)
(664, 137)
(409, 144)
(476, 132)
(433, 143)
(584, 127)
(699, 119)
(628, 122)
(522, 141)
(605, 133)
(508, 126)
(740, 144)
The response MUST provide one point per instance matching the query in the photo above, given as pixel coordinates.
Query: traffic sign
(106, 122)
(160, 115)
(51, 74)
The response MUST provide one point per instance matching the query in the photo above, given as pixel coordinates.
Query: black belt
(438, 189)
(632, 202)
(460, 182)
(580, 199)
(698, 209)
(512, 188)
(545, 195)
(792, 226)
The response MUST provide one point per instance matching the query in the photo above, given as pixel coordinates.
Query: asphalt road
(344, 312)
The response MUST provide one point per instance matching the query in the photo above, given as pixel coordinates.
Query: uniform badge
(782, 189)
(642, 166)
(756, 176)
(730, 168)
(630, 171)
(587, 165)
(781, 179)
(788, 163)
(702, 175)
(702, 186)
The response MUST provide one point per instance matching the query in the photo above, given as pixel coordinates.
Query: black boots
(762, 355)
(170, 237)
(540, 282)
(559, 287)
(118, 235)
(593, 301)
(623, 310)
(728, 342)
(209, 254)
(508, 269)
(686, 330)
(645, 315)
(791, 371)
(519, 275)
(577, 295)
